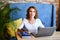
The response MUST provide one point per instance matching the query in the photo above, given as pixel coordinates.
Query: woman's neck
(31, 19)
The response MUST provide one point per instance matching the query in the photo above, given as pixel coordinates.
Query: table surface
(55, 36)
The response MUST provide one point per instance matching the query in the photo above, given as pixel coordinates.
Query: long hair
(36, 14)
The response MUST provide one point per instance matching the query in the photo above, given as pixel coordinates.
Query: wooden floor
(55, 36)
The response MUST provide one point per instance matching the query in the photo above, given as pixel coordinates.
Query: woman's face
(32, 12)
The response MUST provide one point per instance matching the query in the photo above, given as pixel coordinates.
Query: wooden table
(55, 36)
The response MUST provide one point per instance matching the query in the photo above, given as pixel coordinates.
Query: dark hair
(27, 15)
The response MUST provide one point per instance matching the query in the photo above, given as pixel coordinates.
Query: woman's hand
(19, 30)
(29, 32)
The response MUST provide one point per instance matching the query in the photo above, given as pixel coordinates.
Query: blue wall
(44, 12)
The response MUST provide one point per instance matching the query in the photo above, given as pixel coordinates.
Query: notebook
(24, 34)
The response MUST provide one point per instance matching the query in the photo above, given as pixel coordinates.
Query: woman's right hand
(19, 30)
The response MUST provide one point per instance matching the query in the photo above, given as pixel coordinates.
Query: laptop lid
(44, 32)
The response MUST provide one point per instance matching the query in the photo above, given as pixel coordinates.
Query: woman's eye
(31, 11)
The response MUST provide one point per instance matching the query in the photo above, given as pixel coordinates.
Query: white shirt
(31, 27)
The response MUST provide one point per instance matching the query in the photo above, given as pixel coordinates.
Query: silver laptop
(44, 32)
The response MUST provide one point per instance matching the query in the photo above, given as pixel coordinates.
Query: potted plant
(5, 18)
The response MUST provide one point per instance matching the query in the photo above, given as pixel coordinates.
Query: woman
(31, 22)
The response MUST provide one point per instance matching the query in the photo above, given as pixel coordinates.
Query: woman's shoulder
(38, 19)
(25, 20)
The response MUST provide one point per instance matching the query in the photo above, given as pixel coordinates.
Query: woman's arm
(19, 29)
(41, 25)
(17, 33)
(22, 24)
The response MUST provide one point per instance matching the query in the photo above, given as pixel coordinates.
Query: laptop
(44, 32)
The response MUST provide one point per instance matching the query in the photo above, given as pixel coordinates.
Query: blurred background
(10, 14)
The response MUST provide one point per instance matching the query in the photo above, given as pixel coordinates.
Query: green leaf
(14, 9)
